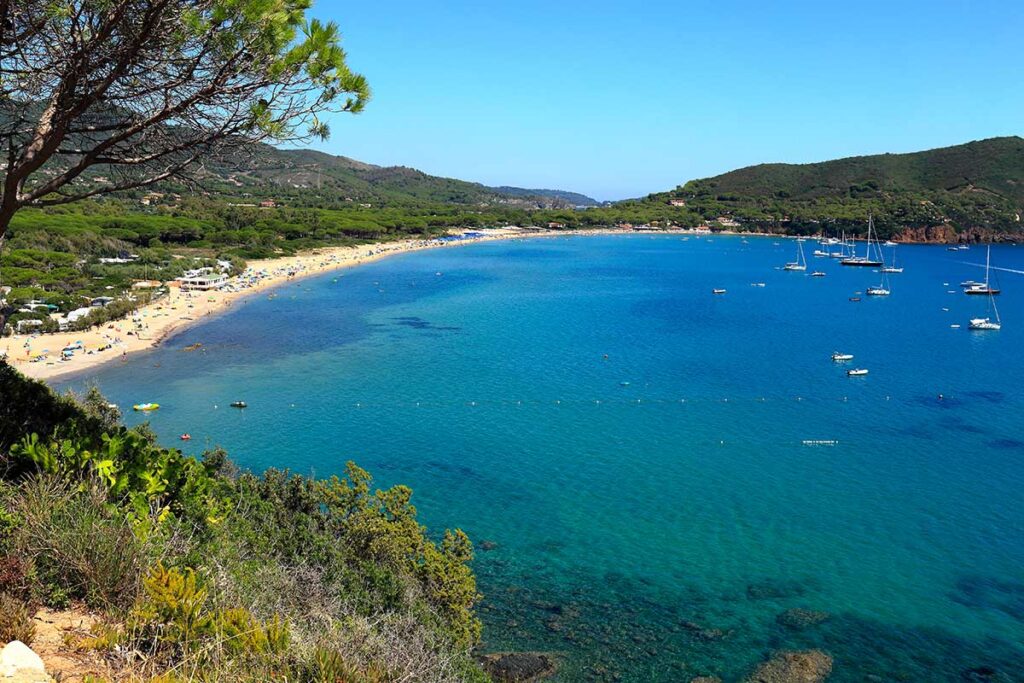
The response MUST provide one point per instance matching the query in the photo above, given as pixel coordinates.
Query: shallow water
(655, 511)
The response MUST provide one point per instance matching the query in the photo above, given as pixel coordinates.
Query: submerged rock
(808, 666)
(775, 589)
(518, 667)
(706, 679)
(984, 674)
(487, 546)
(799, 618)
(702, 633)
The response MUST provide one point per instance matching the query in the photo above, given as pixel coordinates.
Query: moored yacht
(986, 323)
(801, 262)
(982, 288)
(867, 260)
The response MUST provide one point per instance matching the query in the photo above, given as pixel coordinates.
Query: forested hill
(978, 186)
(307, 176)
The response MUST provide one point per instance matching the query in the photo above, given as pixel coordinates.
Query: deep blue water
(656, 530)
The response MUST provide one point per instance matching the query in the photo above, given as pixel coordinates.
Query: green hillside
(316, 178)
(975, 188)
(995, 165)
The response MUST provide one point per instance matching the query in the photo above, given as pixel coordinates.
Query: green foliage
(979, 185)
(77, 545)
(249, 575)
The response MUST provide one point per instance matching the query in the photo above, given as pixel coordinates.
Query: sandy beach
(155, 322)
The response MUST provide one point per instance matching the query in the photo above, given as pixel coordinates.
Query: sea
(661, 482)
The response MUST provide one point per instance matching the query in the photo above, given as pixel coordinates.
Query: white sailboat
(801, 262)
(986, 323)
(892, 268)
(881, 289)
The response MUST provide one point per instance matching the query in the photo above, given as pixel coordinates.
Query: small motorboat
(854, 298)
(145, 407)
(718, 291)
(840, 357)
(757, 284)
(817, 273)
(239, 404)
(877, 291)
(856, 372)
(186, 437)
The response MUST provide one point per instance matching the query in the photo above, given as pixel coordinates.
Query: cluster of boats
(874, 257)
(848, 256)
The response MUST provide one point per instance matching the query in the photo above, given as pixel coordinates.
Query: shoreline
(153, 324)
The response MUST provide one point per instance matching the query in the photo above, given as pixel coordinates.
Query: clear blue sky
(618, 99)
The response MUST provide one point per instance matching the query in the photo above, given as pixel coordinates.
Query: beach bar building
(202, 283)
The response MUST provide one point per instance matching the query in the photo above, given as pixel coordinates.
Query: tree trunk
(3, 301)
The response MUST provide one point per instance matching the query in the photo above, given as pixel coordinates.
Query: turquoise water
(656, 530)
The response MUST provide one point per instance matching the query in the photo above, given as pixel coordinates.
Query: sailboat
(822, 250)
(878, 290)
(983, 288)
(892, 268)
(987, 323)
(841, 253)
(801, 262)
(866, 259)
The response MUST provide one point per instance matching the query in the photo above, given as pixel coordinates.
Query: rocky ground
(52, 655)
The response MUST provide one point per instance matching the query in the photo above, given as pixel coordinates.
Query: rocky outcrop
(947, 234)
(19, 664)
(518, 667)
(799, 618)
(940, 234)
(808, 666)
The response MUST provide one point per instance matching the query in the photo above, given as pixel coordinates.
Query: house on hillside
(677, 202)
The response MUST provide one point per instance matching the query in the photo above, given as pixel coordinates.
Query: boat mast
(988, 258)
(867, 249)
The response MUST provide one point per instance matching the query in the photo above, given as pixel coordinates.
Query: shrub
(14, 579)
(80, 546)
(15, 621)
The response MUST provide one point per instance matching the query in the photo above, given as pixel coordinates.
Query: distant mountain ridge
(290, 172)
